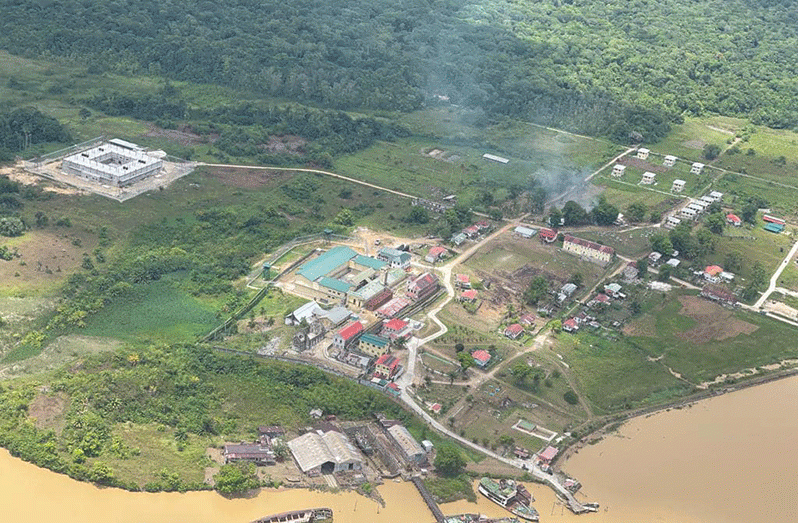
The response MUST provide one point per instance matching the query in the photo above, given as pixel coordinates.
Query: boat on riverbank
(477, 518)
(510, 495)
(308, 515)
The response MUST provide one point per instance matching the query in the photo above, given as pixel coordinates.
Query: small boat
(308, 515)
(477, 518)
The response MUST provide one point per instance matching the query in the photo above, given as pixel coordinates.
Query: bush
(571, 397)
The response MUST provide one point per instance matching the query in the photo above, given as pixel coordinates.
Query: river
(724, 460)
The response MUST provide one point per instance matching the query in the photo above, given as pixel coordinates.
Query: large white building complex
(116, 163)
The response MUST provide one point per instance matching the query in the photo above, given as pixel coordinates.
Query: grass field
(687, 140)
(157, 311)
(755, 245)
(615, 375)
(701, 340)
(633, 244)
(622, 195)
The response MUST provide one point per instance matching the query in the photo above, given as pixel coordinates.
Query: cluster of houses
(516, 330)
(694, 209)
(649, 178)
(471, 232)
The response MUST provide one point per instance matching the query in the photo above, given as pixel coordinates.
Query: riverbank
(612, 423)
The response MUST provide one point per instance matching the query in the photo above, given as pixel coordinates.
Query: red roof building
(481, 357)
(527, 319)
(393, 307)
(462, 280)
(471, 231)
(386, 366)
(514, 331)
(570, 325)
(547, 235)
(346, 336)
(772, 219)
(733, 219)
(548, 454)
(602, 298)
(422, 286)
(482, 224)
(713, 270)
(470, 295)
(394, 328)
(587, 249)
(435, 254)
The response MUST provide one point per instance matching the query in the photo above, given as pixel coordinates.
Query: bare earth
(47, 410)
(714, 322)
(248, 178)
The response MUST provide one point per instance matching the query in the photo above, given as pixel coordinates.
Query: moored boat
(505, 492)
(308, 515)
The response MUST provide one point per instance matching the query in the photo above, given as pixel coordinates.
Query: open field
(737, 189)
(622, 195)
(700, 340)
(513, 262)
(687, 140)
(755, 245)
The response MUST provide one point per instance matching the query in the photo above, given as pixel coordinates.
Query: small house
(630, 272)
(548, 454)
(481, 358)
(708, 199)
(527, 319)
(697, 168)
(669, 161)
(514, 331)
(716, 196)
(458, 239)
(726, 276)
(618, 170)
(373, 345)
(565, 292)
(678, 185)
(712, 273)
(719, 295)
(654, 257)
(469, 296)
(463, 281)
(435, 254)
(688, 213)
(613, 290)
(671, 222)
(472, 231)
(648, 178)
(673, 262)
(525, 232)
(734, 220)
(643, 153)
(570, 325)
(422, 286)
(547, 235)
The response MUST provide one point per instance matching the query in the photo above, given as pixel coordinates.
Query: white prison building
(648, 178)
(669, 161)
(671, 222)
(618, 170)
(697, 168)
(678, 186)
(643, 153)
(117, 163)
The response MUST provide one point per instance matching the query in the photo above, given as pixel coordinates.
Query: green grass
(633, 244)
(686, 141)
(155, 311)
(446, 490)
(622, 195)
(701, 360)
(159, 453)
(615, 375)
(757, 245)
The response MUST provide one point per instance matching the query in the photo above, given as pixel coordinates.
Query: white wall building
(643, 153)
(648, 178)
(618, 170)
(669, 161)
(697, 168)
(678, 185)
(117, 163)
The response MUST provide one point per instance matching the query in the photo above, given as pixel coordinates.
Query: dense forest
(613, 68)
(26, 126)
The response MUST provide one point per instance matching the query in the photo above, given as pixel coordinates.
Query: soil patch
(289, 144)
(181, 135)
(643, 165)
(714, 322)
(248, 178)
(47, 410)
(694, 144)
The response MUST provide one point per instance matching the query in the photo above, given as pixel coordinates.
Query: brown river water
(729, 459)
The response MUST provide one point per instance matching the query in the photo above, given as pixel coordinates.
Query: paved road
(775, 278)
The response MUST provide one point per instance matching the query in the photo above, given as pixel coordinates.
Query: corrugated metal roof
(326, 263)
(336, 285)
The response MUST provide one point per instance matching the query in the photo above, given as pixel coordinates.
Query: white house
(697, 168)
(678, 185)
(643, 153)
(648, 178)
(618, 170)
(715, 195)
(688, 213)
(671, 222)
(669, 161)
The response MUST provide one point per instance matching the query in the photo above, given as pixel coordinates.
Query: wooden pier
(427, 497)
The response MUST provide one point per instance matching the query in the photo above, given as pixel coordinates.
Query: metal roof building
(410, 448)
(324, 452)
(326, 263)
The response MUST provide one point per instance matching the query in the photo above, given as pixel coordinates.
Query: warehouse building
(324, 453)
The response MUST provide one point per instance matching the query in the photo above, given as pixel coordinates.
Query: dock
(427, 497)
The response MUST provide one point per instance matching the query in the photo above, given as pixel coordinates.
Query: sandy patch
(47, 410)
(714, 322)
(644, 327)
(181, 135)
(16, 174)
